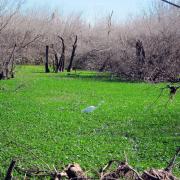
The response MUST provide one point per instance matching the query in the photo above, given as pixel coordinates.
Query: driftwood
(71, 171)
(125, 171)
(74, 171)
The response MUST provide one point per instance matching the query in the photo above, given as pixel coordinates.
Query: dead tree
(62, 58)
(140, 55)
(12, 68)
(46, 60)
(56, 60)
(8, 65)
(8, 10)
(72, 55)
(109, 23)
(59, 62)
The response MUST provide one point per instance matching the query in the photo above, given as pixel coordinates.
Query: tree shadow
(89, 76)
(96, 77)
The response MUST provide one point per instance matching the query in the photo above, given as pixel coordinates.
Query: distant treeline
(143, 48)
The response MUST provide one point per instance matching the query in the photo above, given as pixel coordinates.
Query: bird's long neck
(100, 103)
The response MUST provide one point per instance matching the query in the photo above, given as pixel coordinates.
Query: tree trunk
(47, 58)
(62, 58)
(72, 55)
(7, 70)
(12, 67)
(56, 61)
(140, 55)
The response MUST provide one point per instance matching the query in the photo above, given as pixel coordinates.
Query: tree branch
(10, 170)
(172, 162)
(173, 4)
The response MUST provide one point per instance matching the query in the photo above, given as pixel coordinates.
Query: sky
(94, 9)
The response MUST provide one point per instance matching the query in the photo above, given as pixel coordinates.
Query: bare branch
(176, 5)
(172, 162)
(9, 175)
(28, 43)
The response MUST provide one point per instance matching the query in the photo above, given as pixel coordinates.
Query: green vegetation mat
(41, 121)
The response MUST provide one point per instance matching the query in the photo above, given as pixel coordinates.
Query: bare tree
(8, 9)
(72, 54)
(47, 60)
(62, 58)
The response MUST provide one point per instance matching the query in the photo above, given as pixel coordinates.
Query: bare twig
(151, 176)
(4, 25)
(33, 173)
(173, 4)
(28, 43)
(105, 168)
(137, 174)
(172, 92)
(172, 162)
(10, 170)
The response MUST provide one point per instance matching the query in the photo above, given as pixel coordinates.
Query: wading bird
(92, 108)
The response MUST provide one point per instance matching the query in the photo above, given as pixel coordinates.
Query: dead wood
(170, 166)
(74, 171)
(171, 3)
(47, 60)
(9, 174)
(72, 54)
(162, 174)
(122, 171)
(154, 174)
(56, 61)
(62, 58)
(6, 65)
